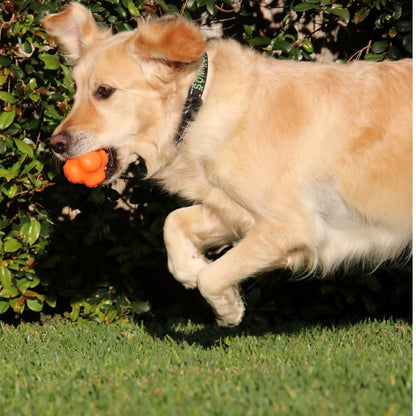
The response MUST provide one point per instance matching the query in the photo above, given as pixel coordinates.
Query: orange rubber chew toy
(87, 169)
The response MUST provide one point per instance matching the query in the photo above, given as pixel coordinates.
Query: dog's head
(130, 87)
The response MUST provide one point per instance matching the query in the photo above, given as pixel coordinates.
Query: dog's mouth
(112, 165)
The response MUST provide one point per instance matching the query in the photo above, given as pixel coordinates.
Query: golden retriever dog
(300, 165)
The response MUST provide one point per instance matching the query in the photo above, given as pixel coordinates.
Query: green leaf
(140, 307)
(303, 7)
(374, 57)
(5, 276)
(248, 30)
(51, 61)
(24, 147)
(34, 304)
(163, 5)
(122, 26)
(11, 245)
(361, 15)
(51, 301)
(7, 174)
(26, 47)
(210, 5)
(4, 305)
(34, 97)
(6, 119)
(68, 82)
(7, 97)
(8, 288)
(3, 146)
(25, 283)
(76, 309)
(4, 61)
(380, 46)
(307, 45)
(34, 164)
(30, 231)
(29, 19)
(11, 191)
(282, 45)
(17, 71)
(257, 41)
(343, 14)
(133, 10)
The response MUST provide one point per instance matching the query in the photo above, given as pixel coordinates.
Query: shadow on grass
(277, 304)
(210, 335)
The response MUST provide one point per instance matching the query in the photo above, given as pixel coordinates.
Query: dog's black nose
(59, 142)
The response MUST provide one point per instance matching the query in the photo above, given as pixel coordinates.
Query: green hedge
(107, 261)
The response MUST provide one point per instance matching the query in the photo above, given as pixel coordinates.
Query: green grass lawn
(64, 368)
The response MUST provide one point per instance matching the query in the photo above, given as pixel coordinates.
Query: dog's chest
(207, 180)
(186, 177)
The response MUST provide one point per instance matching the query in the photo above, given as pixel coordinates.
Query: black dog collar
(193, 101)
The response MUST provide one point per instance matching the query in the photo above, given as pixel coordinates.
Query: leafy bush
(28, 113)
(88, 248)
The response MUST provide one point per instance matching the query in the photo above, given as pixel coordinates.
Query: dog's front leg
(187, 232)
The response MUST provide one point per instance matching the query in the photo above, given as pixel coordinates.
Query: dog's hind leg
(187, 232)
(264, 247)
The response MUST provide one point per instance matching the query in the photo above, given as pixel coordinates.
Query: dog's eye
(104, 92)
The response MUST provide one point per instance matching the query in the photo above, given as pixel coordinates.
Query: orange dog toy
(88, 169)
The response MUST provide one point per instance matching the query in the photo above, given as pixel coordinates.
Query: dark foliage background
(98, 253)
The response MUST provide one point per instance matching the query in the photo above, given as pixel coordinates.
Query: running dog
(294, 165)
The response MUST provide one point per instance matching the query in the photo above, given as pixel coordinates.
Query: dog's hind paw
(228, 306)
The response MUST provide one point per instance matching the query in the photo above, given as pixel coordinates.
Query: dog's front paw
(227, 304)
(185, 270)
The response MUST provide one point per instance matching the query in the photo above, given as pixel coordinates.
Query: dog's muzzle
(60, 145)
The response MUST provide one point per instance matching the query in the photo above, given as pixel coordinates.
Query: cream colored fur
(300, 165)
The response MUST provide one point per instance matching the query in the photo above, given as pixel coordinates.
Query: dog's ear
(174, 39)
(74, 29)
